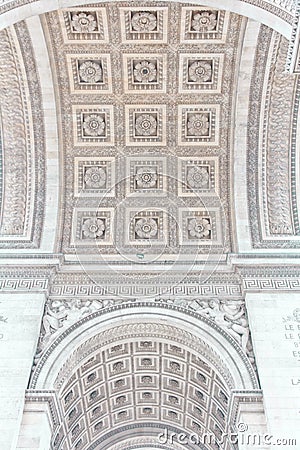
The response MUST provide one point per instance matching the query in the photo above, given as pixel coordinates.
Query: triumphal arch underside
(149, 225)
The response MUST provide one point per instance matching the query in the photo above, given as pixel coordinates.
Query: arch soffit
(266, 12)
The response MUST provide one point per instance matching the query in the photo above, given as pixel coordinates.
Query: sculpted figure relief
(60, 314)
(55, 315)
(230, 316)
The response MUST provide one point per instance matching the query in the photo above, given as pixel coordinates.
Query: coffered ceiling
(140, 383)
(145, 94)
(160, 132)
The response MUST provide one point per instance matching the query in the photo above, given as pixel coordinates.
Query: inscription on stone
(292, 336)
(2, 320)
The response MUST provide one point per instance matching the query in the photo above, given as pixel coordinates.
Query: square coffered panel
(200, 73)
(146, 227)
(198, 124)
(84, 24)
(145, 73)
(200, 226)
(144, 24)
(145, 125)
(200, 23)
(146, 176)
(93, 227)
(94, 177)
(89, 73)
(198, 176)
(93, 126)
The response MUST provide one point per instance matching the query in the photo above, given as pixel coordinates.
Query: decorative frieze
(274, 219)
(22, 135)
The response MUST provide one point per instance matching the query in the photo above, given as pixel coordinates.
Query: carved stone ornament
(145, 72)
(146, 177)
(93, 228)
(146, 228)
(200, 71)
(90, 72)
(143, 22)
(93, 125)
(198, 177)
(83, 23)
(197, 125)
(204, 21)
(199, 228)
(146, 125)
(95, 177)
(230, 316)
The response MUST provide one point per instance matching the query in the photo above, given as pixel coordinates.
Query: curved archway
(144, 370)
(266, 12)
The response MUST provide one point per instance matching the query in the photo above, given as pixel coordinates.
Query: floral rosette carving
(197, 124)
(93, 228)
(197, 177)
(83, 23)
(90, 72)
(200, 71)
(144, 22)
(93, 125)
(146, 228)
(145, 72)
(146, 177)
(199, 228)
(95, 177)
(204, 21)
(146, 125)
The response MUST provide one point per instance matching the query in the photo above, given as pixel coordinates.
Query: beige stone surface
(149, 224)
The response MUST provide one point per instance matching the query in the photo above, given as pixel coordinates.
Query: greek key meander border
(228, 285)
(41, 284)
(146, 291)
